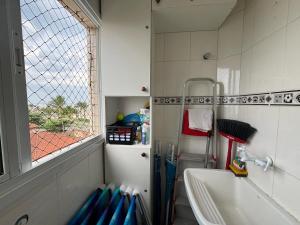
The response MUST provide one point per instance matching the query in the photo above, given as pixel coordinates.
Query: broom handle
(228, 161)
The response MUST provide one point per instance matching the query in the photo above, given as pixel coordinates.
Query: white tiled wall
(267, 59)
(55, 196)
(179, 56)
(231, 35)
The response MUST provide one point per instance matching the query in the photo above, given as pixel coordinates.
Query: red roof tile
(43, 143)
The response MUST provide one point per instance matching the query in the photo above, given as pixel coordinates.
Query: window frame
(13, 94)
(3, 152)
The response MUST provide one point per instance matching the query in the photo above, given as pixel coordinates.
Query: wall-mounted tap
(266, 162)
(207, 56)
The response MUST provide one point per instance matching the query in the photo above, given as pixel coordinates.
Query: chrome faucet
(266, 163)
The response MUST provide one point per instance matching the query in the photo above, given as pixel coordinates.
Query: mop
(84, 210)
(130, 218)
(157, 184)
(99, 206)
(107, 214)
(118, 216)
(170, 178)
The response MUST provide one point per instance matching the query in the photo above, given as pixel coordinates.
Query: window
(59, 51)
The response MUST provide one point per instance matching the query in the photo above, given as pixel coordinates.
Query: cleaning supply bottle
(145, 115)
(238, 168)
(145, 134)
(138, 134)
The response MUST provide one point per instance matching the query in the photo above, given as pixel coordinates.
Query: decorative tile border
(284, 98)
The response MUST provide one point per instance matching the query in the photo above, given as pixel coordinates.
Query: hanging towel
(118, 217)
(131, 214)
(200, 119)
(100, 205)
(84, 210)
(107, 214)
(186, 128)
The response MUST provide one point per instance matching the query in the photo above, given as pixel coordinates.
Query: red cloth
(187, 131)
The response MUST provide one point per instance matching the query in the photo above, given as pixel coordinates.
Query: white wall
(51, 197)
(179, 56)
(259, 51)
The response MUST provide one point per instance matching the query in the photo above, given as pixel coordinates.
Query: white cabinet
(131, 166)
(128, 164)
(125, 47)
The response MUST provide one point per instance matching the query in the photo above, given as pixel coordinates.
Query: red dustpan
(231, 139)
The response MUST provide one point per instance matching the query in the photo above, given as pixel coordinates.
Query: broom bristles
(236, 128)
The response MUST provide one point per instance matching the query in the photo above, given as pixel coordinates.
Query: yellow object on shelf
(237, 172)
(120, 116)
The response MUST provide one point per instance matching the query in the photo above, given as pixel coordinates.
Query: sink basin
(218, 197)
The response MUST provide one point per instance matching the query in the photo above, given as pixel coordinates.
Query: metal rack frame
(187, 85)
(187, 89)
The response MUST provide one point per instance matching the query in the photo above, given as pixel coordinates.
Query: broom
(235, 131)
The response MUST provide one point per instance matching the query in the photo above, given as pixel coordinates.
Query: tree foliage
(57, 116)
(36, 118)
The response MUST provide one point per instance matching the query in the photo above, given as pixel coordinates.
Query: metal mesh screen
(58, 67)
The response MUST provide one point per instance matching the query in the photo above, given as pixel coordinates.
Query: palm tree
(69, 111)
(58, 101)
(58, 104)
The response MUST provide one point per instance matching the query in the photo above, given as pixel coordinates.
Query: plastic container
(138, 134)
(145, 115)
(121, 134)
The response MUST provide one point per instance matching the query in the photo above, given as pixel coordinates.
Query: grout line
(293, 20)
(287, 173)
(268, 35)
(193, 60)
(288, 12)
(187, 31)
(241, 54)
(190, 47)
(164, 46)
(229, 56)
(276, 149)
(254, 44)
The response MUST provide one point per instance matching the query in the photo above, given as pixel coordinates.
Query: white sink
(218, 197)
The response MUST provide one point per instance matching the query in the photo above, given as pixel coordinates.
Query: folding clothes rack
(206, 158)
(186, 89)
(112, 206)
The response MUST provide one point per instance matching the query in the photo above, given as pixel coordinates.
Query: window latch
(17, 45)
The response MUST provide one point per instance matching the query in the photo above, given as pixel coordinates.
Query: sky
(56, 53)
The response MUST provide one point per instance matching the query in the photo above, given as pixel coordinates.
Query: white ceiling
(190, 15)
